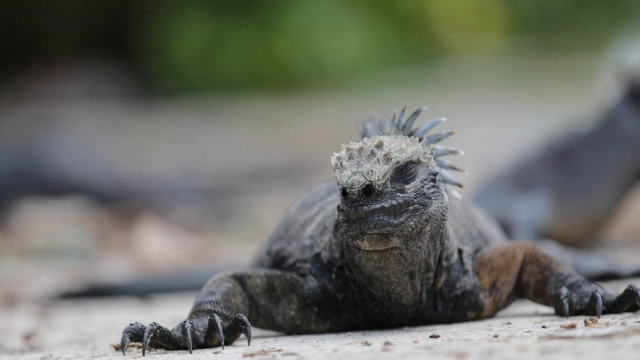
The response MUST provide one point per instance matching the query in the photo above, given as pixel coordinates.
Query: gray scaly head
(393, 179)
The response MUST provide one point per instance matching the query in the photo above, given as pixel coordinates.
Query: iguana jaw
(382, 218)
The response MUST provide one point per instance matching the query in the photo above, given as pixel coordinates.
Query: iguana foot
(579, 297)
(202, 332)
(587, 298)
(522, 270)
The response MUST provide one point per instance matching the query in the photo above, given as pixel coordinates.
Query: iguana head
(392, 180)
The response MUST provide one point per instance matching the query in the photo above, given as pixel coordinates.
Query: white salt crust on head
(372, 160)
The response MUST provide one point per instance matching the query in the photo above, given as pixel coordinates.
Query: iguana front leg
(520, 270)
(277, 300)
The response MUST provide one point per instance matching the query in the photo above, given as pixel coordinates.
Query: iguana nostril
(368, 190)
(344, 193)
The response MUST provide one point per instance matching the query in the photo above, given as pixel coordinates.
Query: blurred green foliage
(239, 45)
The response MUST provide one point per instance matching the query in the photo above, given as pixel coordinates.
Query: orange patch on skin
(510, 271)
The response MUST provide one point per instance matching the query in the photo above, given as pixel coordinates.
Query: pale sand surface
(86, 329)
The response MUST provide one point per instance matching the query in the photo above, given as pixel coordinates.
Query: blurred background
(147, 137)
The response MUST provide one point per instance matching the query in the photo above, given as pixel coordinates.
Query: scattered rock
(261, 352)
(593, 322)
(434, 336)
(29, 336)
(365, 343)
(134, 345)
(569, 326)
(614, 331)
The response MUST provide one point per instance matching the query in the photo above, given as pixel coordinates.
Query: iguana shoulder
(471, 226)
(305, 236)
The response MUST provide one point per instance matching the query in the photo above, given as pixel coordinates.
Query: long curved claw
(148, 333)
(564, 298)
(134, 330)
(187, 329)
(123, 344)
(246, 327)
(599, 298)
(218, 325)
(125, 340)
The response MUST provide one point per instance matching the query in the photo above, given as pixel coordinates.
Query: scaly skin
(385, 246)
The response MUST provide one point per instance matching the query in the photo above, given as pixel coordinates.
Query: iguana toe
(133, 332)
(564, 301)
(629, 300)
(246, 327)
(230, 331)
(215, 323)
(148, 334)
(186, 330)
(598, 298)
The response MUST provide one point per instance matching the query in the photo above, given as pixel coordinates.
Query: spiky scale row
(399, 126)
(447, 165)
(412, 119)
(439, 150)
(424, 129)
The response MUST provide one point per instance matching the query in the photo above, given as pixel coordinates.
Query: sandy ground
(87, 330)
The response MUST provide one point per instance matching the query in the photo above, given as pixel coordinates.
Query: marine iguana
(385, 246)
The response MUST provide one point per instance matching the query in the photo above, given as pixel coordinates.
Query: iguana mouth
(378, 218)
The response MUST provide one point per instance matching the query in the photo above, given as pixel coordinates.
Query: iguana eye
(433, 178)
(405, 174)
